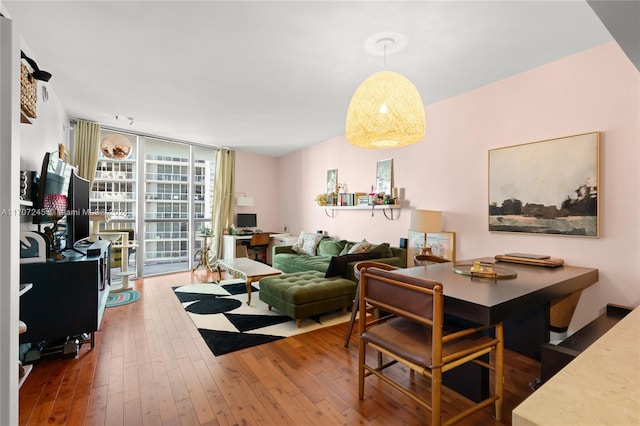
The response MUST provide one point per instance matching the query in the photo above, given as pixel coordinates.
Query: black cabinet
(556, 357)
(68, 296)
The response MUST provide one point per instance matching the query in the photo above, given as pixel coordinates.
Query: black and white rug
(227, 323)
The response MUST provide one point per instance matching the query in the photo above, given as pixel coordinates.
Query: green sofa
(288, 261)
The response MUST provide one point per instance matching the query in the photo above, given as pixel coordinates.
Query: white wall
(596, 90)
(9, 273)
(47, 131)
(257, 176)
(23, 148)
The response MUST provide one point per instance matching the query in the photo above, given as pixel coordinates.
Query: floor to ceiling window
(204, 162)
(167, 180)
(114, 195)
(175, 181)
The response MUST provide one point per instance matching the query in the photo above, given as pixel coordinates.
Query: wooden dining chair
(416, 336)
(356, 302)
(427, 259)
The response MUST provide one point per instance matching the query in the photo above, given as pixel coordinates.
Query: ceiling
(275, 77)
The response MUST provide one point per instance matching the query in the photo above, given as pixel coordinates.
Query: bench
(554, 357)
(304, 294)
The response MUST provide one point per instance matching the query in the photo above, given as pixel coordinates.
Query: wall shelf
(387, 209)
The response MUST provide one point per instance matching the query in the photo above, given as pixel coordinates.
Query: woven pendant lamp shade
(386, 111)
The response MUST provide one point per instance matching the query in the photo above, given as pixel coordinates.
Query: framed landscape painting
(546, 187)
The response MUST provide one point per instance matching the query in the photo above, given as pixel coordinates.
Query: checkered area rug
(228, 324)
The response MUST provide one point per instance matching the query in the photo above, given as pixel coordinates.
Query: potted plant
(321, 199)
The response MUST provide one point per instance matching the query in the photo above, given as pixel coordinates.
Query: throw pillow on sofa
(383, 248)
(338, 264)
(329, 247)
(361, 247)
(347, 247)
(307, 243)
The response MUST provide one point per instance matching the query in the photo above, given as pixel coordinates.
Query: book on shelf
(346, 199)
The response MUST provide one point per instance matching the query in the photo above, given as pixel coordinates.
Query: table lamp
(55, 207)
(426, 221)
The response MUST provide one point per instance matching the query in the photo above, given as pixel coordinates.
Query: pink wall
(596, 90)
(257, 176)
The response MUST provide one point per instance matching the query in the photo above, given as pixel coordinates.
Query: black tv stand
(68, 297)
(67, 347)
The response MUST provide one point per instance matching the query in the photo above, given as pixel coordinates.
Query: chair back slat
(260, 239)
(412, 297)
(370, 264)
(427, 259)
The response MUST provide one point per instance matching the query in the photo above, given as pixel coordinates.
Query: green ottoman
(303, 294)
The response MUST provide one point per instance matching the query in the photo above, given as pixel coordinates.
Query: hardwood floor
(151, 367)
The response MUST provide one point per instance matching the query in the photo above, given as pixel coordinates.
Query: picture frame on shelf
(546, 187)
(332, 181)
(384, 176)
(363, 200)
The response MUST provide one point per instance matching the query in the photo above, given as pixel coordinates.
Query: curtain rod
(149, 135)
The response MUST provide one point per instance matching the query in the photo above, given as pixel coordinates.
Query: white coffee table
(249, 269)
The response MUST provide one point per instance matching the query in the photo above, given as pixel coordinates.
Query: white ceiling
(274, 77)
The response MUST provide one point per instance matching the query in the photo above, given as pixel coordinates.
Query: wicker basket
(28, 91)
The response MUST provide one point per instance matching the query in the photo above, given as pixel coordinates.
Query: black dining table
(521, 303)
(490, 301)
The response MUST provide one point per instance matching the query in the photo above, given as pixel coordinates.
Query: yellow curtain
(86, 147)
(224, 187)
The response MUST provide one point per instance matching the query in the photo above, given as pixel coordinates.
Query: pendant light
(386, 110)
(116, 147)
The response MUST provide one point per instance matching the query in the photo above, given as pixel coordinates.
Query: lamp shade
(386, 111)
(244, 201)
(427, 221)
(55, 205)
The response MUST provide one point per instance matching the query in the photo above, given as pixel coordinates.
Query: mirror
(115, 147)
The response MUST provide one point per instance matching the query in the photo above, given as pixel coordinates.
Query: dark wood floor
(151, 367)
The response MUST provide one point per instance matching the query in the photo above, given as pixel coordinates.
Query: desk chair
(416, 336)
(258, 245)
(356, 302)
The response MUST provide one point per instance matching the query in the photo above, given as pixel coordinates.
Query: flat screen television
(78, 210)
(246, 220)
(54, 179)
